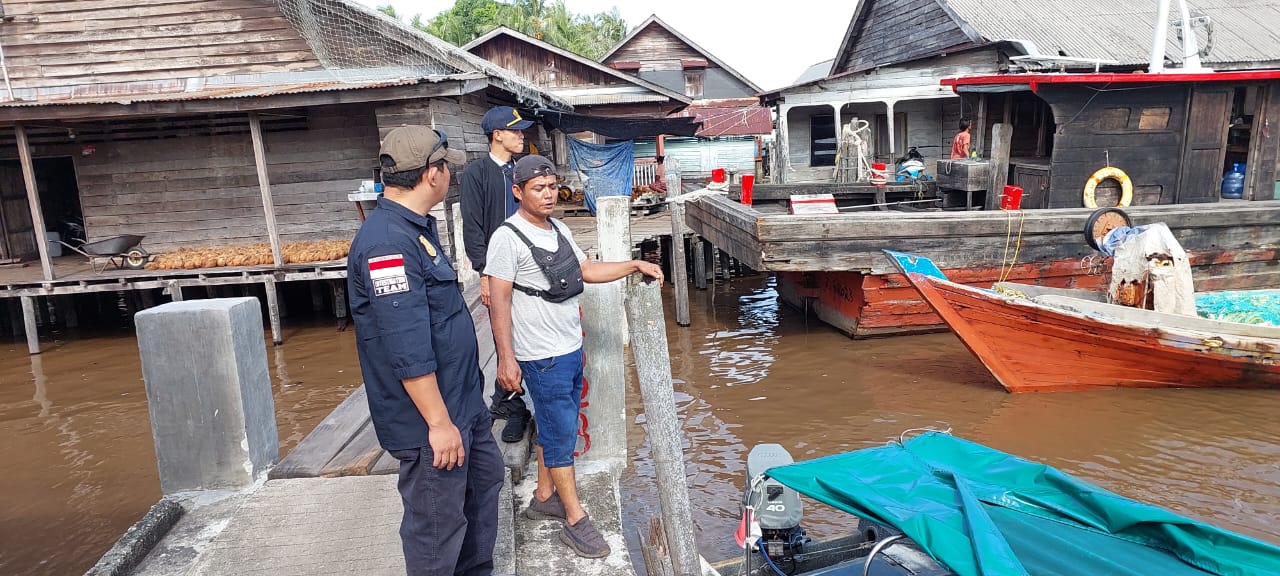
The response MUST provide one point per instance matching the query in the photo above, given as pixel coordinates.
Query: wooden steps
(345, 444)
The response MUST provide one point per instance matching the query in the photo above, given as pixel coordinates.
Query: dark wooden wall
(1095, 126)
(74, 42)
(655, 48)
(203, 190)
(894, 31)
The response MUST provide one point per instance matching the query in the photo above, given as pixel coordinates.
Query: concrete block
(204, 363)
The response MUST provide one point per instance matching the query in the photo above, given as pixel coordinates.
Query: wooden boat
(1035, 338)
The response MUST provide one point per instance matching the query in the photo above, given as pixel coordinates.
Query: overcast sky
(769, 43)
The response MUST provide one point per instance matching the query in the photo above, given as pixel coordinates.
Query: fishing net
(1246, 307)
(608, 167)
(356, 43)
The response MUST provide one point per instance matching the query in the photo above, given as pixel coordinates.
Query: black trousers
(450, 519)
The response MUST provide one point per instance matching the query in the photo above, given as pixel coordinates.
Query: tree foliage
(589, 35)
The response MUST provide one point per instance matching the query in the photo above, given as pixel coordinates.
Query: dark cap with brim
(503, 118)
(412, 147)
(531, 167)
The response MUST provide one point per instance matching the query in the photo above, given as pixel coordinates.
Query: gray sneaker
(552, 509)
(584, 539)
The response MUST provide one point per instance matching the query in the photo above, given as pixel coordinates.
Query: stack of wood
(250, 255)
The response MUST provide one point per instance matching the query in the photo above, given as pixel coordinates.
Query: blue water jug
(1233, 182)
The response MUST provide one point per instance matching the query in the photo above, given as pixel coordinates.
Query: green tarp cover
(981, 512)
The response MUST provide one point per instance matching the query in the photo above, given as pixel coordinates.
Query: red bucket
(1011, 199)
(748, 182)
(717, 175)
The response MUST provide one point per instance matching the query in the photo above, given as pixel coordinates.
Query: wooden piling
(339, 290)
(653, 366)
(1001, 142)
(29, 322)
(148, 300)
(67, 311)
(273, 309)
(699, 264)
(175, 291)
(317, 296)
(679, 271)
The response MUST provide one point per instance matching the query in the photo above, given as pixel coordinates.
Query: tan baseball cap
(412, 147)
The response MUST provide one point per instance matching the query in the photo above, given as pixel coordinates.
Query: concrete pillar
(605, 416)
(204, 364)
(613, 236)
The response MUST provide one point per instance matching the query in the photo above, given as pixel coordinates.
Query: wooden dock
(833, 264)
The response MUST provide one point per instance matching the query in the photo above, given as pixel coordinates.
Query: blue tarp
(982, 512)
(609, 168)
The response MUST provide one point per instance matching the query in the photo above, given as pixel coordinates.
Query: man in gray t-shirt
(536, 272)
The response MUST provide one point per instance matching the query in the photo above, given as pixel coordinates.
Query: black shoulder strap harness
(561, 267)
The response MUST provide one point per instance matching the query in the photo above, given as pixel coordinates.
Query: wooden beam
(217, 105)
(978, 126)
(273, 310)
(679, 269)
(33, 199)
(264, 185)
(1001, 142)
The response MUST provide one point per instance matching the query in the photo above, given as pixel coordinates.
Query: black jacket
(484, 206)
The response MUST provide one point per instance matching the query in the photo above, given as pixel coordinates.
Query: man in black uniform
(419, 359)
(487, 201)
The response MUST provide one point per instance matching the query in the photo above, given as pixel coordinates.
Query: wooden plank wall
(80, 42)
(899, 31)
(199, 191)
(655, 48)
(531, 62)
(1094, 126)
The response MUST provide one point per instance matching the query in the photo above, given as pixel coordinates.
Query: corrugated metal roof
(182, 90)
(819, 70)
(730, 117)
(598, 99)
(1244, 31)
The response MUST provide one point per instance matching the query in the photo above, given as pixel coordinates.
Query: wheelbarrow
(120, 251)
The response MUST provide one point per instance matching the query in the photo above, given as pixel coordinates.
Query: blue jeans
(555, 386)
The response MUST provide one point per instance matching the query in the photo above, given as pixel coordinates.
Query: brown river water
(82, 468)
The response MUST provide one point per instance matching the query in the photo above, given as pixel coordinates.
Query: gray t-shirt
(540, 329)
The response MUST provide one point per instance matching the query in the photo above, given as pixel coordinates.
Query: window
(822, 140)
(1114, 119)
(1154, 119)
(693, 83)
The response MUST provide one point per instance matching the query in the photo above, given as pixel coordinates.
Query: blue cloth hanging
(609, 168)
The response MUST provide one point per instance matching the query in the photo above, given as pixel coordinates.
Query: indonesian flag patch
(387, 273)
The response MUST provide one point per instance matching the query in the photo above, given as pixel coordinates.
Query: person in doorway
(960, 145)
(486, 202)
(421, 367)
(537, 272)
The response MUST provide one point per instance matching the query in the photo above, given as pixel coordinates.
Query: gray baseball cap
(531, 167)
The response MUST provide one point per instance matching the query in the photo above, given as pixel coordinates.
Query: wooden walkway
(345, 444)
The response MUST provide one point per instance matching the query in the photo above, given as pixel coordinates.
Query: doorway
(59, 204)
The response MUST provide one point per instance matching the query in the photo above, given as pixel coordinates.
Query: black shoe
(517, 421)
(503, 408)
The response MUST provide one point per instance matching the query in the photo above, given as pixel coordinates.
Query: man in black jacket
(487, 201)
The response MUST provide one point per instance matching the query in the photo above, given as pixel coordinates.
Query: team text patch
(387, 273)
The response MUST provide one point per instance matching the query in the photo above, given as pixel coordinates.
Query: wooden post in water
(653, 366)
(1001, 142)
(699, 263)
(679, 271)
(29, 321)
(273, 310)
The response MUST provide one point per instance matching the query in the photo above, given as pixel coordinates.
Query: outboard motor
(776, 508)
